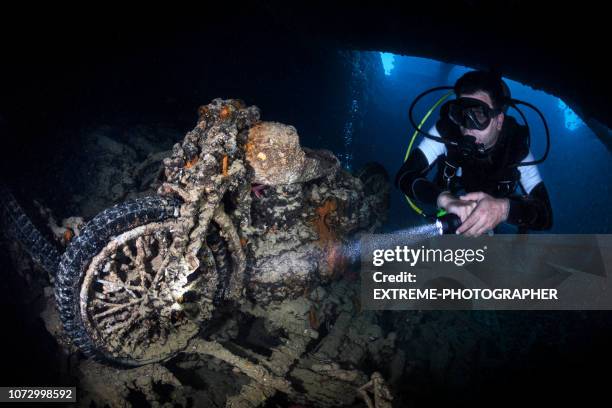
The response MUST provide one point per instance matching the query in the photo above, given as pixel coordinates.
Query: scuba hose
(514, 102)
(445, 223)
(414, 135)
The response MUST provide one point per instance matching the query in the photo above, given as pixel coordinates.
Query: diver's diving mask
(471, 113)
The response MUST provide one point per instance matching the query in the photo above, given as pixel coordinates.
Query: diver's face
(489, 135)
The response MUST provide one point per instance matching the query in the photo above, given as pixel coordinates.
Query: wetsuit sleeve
(532, 211)
(411, 179)
(530, 176)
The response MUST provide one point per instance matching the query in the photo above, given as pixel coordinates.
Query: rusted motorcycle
(245, 222)
(243, 215)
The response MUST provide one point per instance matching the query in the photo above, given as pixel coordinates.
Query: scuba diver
(483, 156)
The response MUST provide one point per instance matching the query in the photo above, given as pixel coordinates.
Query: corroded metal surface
(246, 224)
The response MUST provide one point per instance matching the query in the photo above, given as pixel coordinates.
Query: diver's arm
(411, 179)
(532, 211)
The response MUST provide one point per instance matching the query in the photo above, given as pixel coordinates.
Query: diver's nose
(467, 132)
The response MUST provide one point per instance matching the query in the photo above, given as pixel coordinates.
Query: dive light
(448, 223)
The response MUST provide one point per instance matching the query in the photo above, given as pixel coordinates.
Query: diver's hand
(453, 205)
(489, 212)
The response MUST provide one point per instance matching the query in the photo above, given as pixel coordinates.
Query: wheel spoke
(118, 286)
(116, 309)
(122, 328)
(140, 261)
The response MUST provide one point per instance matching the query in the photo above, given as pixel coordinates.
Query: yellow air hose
(416, 132)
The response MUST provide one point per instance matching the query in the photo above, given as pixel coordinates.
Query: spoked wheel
(127, 304)
(119, 296)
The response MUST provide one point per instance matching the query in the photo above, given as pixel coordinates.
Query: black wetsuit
(496, 174)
